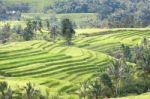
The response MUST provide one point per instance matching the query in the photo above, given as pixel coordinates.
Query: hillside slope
(60, 68)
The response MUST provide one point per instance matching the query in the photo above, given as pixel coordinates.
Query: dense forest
(116, 13)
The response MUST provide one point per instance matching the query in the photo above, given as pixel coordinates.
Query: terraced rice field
(106, 41)
(60, 68)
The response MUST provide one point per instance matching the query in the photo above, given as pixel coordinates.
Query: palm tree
(5, 33)
(107, 82)
(5, 91)
(28, 32)
(142, 56)
(143, 62)
(119, 70)
(95, 88)
(9, 94)
(3, 88)
(127, 52)
(67, 30)
(31, 92)
(83, 91)
(53, 27)
(40, 25)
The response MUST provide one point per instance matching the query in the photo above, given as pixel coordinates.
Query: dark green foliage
(96, 89)
(142, 56)
(112, 83)
(53, 27)
(112, 13)
(31, 93)
(39, 25)
(119, 71)
(6, 92)
(3, 87)
(139, 54)
(28, 92)
(29, 31)
(137, 86)
(9, 12)
(67, 30)
(90, 89)
(47, 24)
(106, 80)
(18, 29)
(3, 9)
(127, 52)
(5, 33)
(83, 91)
(120, 13)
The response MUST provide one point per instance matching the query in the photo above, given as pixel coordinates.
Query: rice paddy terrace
(60, 68)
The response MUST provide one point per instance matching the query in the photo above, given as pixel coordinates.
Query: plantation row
(60, 68)
(40, 59)
(107, 41)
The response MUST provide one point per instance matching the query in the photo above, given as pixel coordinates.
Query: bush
(135, 87)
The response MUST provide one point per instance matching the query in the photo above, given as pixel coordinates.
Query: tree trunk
(96, 97)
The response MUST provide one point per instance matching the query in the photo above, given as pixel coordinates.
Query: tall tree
(106, 80)
(127, 52)
(67, 30)
(83, 91)
(3, 10)
(119, 71)
(31, 93)
(40, 25)
(142, 56)
(5, 33)
(96, 89)
(53, 27)
(6, 92)
(28, 31)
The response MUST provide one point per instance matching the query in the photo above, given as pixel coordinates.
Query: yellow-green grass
(89, 30)
(111, 39)
(142, 96)
(48, 65)
(97, 30)
(13, 23)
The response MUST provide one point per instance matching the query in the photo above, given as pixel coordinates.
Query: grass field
(142, 96)
(60, 68)
(13, 23)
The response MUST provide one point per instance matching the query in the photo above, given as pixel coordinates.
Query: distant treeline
(12, 11)
(110, 13)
